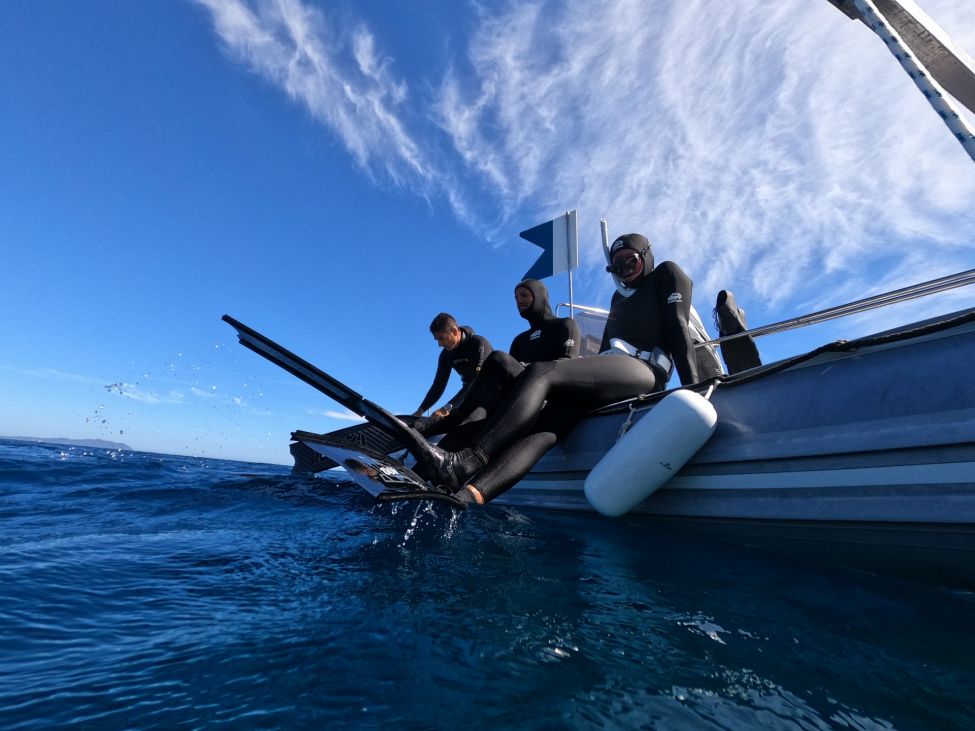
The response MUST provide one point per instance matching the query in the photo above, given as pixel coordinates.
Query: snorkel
(622, 288)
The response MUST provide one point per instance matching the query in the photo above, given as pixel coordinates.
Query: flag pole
(604, 233)
(573, 236)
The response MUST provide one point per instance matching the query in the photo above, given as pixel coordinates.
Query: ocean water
(143, 591)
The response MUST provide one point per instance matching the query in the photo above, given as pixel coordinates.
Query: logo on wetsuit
(535, 335)
(674, 298)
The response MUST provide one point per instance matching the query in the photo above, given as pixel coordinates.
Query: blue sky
(334, 174)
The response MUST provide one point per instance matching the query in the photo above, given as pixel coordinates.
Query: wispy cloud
(136, 393)
(763, 147)
(767, 148)
(337, 74)
(204, 393)
(52, 374)
(340, 415)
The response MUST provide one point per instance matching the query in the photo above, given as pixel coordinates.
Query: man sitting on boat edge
(651, 314)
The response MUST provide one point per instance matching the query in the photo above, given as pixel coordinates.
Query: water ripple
(142, 591)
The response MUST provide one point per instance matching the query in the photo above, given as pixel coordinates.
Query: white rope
(931, 89)
(626, 424)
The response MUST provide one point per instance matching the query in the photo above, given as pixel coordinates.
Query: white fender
(651, 452)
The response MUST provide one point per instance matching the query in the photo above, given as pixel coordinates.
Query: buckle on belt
(656, 357)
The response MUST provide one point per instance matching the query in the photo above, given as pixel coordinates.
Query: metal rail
(581, 308)
(904, 294)
(942, 284)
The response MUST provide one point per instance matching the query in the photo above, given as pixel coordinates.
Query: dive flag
(559, 241)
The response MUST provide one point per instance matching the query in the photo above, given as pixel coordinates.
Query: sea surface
(145, 591)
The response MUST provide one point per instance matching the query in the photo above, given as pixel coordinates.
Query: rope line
(931, 89)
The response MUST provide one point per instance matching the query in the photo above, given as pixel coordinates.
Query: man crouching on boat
(649, 318)
(463, 351)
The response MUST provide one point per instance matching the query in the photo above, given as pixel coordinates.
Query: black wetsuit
(656, 315)
(520, 431)
(466, 359)
(548, 338)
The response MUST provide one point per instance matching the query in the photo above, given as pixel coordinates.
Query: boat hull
(881, 433)
(864, 457)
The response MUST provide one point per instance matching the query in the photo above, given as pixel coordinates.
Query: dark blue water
(147, 591)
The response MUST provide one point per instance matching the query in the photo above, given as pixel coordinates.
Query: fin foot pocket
(741, 353)
(436, 496)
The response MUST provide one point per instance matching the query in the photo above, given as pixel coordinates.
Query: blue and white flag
(559, 241)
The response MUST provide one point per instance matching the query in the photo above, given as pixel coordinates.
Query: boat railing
(903, 294)
(582, 308)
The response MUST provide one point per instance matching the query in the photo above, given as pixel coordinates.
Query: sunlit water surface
(149, 591)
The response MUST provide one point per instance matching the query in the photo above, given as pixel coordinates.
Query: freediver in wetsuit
(548, 338)
(651, 314)
(463, 351)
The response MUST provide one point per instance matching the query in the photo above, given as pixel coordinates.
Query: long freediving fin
(329, 385)
(383, 477)
(317, 378)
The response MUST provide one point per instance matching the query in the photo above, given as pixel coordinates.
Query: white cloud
(777, 149)
(336, 74)
(764, 147)
(53, 374)
(136, 393)
(340, 415)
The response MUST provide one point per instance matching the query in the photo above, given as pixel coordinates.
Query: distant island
(95, 443)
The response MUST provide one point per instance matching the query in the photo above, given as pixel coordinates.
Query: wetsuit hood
(640, 244)
(540, 309)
